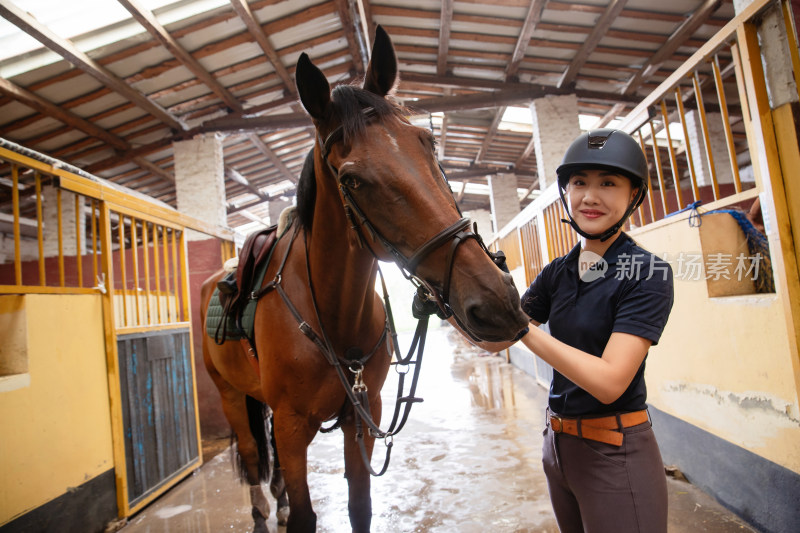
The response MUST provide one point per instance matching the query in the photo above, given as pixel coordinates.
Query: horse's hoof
(260, 522)
(283, 515)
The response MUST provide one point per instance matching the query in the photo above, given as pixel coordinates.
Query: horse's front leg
(358, 477)
(293, 434)
(277, 484)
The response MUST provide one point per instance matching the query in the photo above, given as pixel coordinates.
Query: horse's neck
(342, 273)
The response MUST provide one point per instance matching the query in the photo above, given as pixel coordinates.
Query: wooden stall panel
(54, 238)
(147, 274)
(532, 257)
(158, 408)
(560, 236)
(511, 247)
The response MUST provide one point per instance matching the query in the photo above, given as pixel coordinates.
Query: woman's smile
(591, 213)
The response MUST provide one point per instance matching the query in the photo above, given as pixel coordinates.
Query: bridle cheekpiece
(456, 234)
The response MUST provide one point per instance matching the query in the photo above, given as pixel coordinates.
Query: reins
(357, 392)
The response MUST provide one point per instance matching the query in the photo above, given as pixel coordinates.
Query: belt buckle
(556, 424)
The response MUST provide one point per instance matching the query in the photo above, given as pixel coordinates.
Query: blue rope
(694, 218)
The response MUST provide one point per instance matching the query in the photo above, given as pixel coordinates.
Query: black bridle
(455, 234)
(355, 360)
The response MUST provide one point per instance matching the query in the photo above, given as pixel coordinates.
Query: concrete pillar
(29, 249)
(200, 180)
(555, 126)
(503, 198)
(739, 5)
(774, 55)
(200, 190)
(69, 218)
(483, 218)
(719, 148)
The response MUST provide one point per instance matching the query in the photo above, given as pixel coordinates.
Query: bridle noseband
(456, 234)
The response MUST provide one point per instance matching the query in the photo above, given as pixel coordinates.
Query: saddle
(231, 311)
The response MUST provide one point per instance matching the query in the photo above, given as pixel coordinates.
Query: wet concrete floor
(469, 460)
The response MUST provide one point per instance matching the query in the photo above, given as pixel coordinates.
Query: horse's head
(397, 198)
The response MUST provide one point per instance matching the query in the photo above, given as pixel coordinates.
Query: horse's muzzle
(491, 313)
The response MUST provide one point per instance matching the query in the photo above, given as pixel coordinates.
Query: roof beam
(526, 153)
(146, 18)
(153, 169)
(72, 120)
(358, 48)
(363, 10)
(248, 215)
(261, 123)
(475, 171)
(125, 157)
(231, 209)
(462, 191)
(69, 52)
(678, 37)
(233, 175)
(445, 20)
(611, 115)
(242, 9)
(50, 109)
(529, 190)
(532, 18)
(475, 84)
(489, 137)
(272, 156)
(629, 13)
(504, 98)
(430, 105)
(601, 27)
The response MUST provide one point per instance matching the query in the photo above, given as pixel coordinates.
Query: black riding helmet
(605, 149)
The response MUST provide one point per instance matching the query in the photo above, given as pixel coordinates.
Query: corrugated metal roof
(50, 107)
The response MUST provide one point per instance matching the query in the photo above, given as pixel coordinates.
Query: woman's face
(598, 198)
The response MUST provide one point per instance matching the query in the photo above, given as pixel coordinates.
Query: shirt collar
(620, 246)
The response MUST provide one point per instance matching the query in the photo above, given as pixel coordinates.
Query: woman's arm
(606, 377)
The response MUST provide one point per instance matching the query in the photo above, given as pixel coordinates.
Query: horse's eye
(350, 181)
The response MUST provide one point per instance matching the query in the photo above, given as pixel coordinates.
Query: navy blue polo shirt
(633, 296)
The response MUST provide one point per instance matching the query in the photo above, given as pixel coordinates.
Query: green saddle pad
(232, 331)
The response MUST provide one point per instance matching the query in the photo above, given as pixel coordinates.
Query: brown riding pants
(602, 488)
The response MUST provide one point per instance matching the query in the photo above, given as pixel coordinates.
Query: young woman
(606, 303)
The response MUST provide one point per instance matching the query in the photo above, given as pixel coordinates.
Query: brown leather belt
(607, 429)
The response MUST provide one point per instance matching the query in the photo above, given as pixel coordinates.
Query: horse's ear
(382, 70)
(313, 87)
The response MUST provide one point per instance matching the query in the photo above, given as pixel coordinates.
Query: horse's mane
(347, 103)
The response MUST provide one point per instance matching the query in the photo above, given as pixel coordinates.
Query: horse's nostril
(491, 317)
(481, 315)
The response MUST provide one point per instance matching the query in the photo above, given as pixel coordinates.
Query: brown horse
(371, 189)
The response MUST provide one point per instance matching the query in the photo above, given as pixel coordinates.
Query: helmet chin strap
(610, 232)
